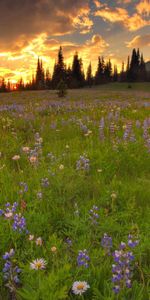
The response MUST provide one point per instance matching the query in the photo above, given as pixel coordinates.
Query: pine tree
(108, 72)
(20, 85)
(59, 73)
(128, 70)
(3, 87)
(89, 78)
(142, 69)
(48, 80)
(115, 74)
(78, 78)
(40, 77)
(99, 76)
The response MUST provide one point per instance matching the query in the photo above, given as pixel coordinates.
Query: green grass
(117, 182)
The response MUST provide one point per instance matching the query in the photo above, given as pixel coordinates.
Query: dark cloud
(30, 17)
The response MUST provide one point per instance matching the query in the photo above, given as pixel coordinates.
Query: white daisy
(39, 241)
(38, 264)
(80, 287)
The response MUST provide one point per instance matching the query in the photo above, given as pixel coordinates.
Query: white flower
(39, 241)
(80, 287)
(31, 237)
(38, 264)
(16, 157)
(61, 167)
(26, 149)
(9, 215)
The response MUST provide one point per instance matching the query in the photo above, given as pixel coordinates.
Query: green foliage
(118, 182)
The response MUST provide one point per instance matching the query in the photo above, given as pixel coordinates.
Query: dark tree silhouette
(89, 77)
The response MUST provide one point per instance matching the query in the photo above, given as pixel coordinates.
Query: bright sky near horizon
(29, 29)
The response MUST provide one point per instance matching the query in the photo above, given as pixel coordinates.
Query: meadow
(75, 194)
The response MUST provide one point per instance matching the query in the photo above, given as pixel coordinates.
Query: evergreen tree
(3, 87)
(89, 78)
(142, 69)
(40, 78)
(99, 76)
(134, 65)
(108, 71)
(62, 89)
(123, 73)
(115, 74)
(78, 78)
(128, 70)
(48, 80)
(20, 85)
(59, 73)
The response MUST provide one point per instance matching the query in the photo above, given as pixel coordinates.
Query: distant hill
(148, 66)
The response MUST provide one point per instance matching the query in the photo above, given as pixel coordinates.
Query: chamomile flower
(80, 287)
(38, 264)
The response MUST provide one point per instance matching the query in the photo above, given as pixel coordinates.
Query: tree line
(75, 77)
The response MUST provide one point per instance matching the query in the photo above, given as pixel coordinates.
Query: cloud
(47, 48)
(139, 41)
(121, 15)
(143, 7)
(29, 18)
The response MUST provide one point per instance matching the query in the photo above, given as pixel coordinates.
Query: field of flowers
(74, 196)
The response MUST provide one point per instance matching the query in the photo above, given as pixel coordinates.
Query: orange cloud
(120, 15)
(23, 62)
(143, 7)
(139, 41)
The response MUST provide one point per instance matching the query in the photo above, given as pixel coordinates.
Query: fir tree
(78, 79)
(59, 73)
(89, 78)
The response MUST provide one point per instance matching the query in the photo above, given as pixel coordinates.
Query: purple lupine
(83, 128)
(101, 129)
(93, 214)
(24, 187)
(45, 182)
(112, 128)
(106, 243)
(83, 163)
(10, 271)
(122, 267)
(19, 223)
(132, 241)
(83, 258)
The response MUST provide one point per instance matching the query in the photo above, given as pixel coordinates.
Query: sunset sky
(32, 28)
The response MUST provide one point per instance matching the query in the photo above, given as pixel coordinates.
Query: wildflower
(83, 163)
(94, 214)
(39, 195)
(106, 243)
(113, 195)
(24, 187)
(132, 242)
(19, 223)
(53, 249)
(39, 241)
(38, 264)
(83, 258)
(16, 157)
(80, 287)
(10, 271)
(33, 159)
(9, 254)
(122, 268)
(31, 237)
(61, 167)
(45, 182)
(26, 149)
